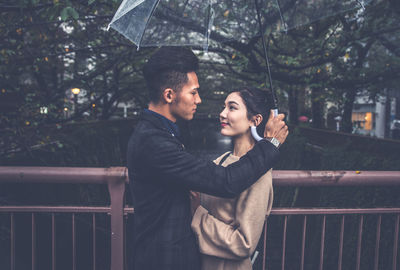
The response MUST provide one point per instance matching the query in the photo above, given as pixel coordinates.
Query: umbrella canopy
(200, 22)
(203, 22)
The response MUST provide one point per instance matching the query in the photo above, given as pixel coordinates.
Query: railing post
(116, 188)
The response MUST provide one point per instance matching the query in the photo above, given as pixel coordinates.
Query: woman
(228, 230)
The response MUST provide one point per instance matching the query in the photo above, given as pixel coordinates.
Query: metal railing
(116, 178)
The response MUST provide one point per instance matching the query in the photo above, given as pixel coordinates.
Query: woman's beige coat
(228, 230)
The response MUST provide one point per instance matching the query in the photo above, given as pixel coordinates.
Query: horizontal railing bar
(281, 177)
(317, 211)
(335, 178)
(58, 175)
(332, 211)
(54, 209)
(130, 210)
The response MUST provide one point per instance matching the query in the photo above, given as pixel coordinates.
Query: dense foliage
(48, 48)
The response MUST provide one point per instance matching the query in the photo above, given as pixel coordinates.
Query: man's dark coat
(161, 173)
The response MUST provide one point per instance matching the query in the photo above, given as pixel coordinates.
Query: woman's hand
(194, 200)
(276, 127)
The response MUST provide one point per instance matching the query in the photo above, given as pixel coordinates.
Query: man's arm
(166, 159)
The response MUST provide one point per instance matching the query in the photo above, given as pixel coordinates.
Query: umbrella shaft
(275, 103)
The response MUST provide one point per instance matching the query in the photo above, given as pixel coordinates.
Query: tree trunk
(293, 106)
(347, 125)
(317, 108)
(105, 108)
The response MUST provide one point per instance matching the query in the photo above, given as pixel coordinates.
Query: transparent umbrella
(204, 22)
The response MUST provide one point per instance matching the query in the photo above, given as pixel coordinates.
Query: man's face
(186, 101)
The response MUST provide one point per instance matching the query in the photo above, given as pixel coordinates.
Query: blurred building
(76, 99)
(379, 118)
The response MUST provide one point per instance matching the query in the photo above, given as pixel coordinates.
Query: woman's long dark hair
(257, 101)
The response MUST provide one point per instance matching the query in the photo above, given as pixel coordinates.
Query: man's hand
(276, 127)
(194, 201)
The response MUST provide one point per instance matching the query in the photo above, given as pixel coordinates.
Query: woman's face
(233, 118)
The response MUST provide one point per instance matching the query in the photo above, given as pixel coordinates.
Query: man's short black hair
(168, 68)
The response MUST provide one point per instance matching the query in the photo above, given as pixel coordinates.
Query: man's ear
(168, 95)
(257, 119)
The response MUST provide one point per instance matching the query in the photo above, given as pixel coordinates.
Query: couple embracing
(192, 213)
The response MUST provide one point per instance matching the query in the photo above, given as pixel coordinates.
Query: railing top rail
(73, 175)
(286, 211)
(77, 175)
(334, 211)
(336, 178)
(54, 209)
(130, 210)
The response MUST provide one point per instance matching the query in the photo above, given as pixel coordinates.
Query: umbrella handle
(253, 129)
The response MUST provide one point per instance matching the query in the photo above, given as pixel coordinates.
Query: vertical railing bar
(107, 228)
(94, 240)
(378, 238)
(321, 254)
(33, 242)
(117, 191)
(359, 242)
(12, 241)
(125, 257)
(395, 242)
(53, 242)
(303, 242)
(284, 243)
(265, 245)
(73, 242)
(341, 244)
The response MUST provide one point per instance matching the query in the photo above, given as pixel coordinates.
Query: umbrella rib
(178, 12)
(189, 24)
(147, 22)
(239, 24)
(280, 14)
(208, 30)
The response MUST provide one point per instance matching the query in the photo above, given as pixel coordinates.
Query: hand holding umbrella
(274, 128)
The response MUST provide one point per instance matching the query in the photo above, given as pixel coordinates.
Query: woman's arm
(239, 240)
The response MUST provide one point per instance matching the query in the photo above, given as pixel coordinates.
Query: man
(162, 173)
